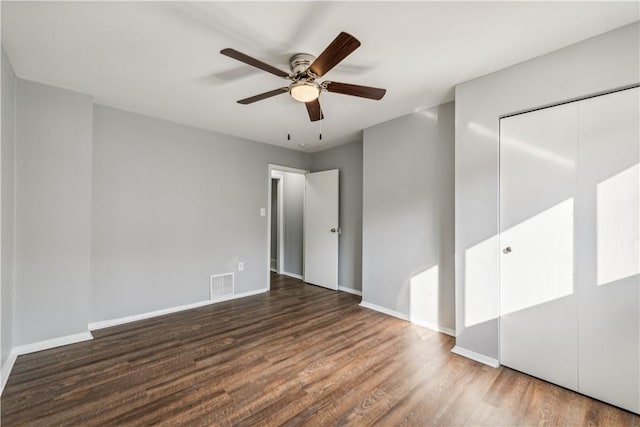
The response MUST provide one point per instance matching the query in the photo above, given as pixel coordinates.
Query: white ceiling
(161, 58)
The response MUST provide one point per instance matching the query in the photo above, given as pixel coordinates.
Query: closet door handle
(507, 250)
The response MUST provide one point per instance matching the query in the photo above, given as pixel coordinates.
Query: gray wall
(408, 209)
(119, 214)
(293, 222)
(599, 64)
(53, 204)
(172, 205)
(348, 159)
(8, 205)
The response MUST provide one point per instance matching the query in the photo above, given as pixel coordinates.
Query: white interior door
(321, 229)
(608, 217)
(538, 303)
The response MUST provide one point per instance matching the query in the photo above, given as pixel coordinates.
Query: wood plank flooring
(298, 355)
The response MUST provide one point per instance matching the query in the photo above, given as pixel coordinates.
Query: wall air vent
(220, 286)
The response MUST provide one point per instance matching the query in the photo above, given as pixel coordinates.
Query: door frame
(279, 178)
(278, 168)
(499, 193)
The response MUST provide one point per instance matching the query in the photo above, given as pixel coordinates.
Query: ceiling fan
(305, 69)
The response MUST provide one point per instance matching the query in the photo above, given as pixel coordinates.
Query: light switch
(263, 211)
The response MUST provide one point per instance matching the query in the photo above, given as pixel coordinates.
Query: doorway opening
(285, 220)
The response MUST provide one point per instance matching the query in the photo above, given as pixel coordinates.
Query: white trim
(280, 226)
(242, 295)
(52, 343)
(494, 363)
(296, 276)
(384, 310)
(286, 169)
(279, 260)
(128, 319)
(6, 368)
(433, 327)
(350, 290)
(270, 168)
(38, 346)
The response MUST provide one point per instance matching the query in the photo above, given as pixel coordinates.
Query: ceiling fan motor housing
(300, 62)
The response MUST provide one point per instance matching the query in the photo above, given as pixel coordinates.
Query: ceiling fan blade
(339, 49)
(314, 110)
(232, 53)
(355, 90)
(262, 96)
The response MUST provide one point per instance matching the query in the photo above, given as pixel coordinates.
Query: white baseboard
(128, 319)
(38, 346)
(296, 276)
(494, 363)
(52, 343)
(236, 296)
(6, 369)
(413, 320)
(433, 327)
(384, 310)
(349, 290)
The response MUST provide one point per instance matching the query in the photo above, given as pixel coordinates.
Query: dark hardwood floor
(298, 355)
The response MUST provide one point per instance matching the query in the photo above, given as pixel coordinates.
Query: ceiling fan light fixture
(304, 91)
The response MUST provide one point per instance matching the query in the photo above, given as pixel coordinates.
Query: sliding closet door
(608, 240)
(538, 303)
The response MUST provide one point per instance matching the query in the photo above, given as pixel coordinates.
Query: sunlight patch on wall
(535, 151)
(429, 114)
(481, 282)
(531, 149)
(424, 296)
(618, 230)
(539, 267)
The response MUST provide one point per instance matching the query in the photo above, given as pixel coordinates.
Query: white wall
(7, 297)
(172, 205)
(599, 64)
(348, 159)
(53, 204)
(408, 210)
(293, 211)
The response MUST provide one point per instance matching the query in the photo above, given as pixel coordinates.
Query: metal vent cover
(221, 285)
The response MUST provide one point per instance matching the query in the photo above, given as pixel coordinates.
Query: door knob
(336, 230)
(506, 250)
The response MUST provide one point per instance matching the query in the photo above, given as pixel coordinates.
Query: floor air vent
(220, 286)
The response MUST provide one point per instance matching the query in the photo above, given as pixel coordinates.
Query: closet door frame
(590, 373)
